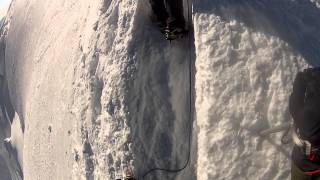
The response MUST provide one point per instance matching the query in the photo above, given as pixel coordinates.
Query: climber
(304, 106)
(169, 15)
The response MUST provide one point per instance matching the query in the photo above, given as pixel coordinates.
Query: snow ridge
(101, 91)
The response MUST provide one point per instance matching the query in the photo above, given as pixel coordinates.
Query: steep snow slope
(248, 53)
(42, 48)
(137, 114)
(159, 98)
(97, 89)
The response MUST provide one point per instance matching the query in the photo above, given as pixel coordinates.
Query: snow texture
(4, 4)
(247, 56)
(95, 88)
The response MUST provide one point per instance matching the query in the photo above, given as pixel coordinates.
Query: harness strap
(307, 148)
(296, 139)
(305, 145)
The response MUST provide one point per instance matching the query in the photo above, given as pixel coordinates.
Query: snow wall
(247, 56)
(96, 87)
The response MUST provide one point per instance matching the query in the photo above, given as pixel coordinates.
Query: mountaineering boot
(174, 29)
(128, 175)
(160, 14)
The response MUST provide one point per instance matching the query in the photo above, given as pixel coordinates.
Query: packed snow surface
(248, 53)
(96, 88)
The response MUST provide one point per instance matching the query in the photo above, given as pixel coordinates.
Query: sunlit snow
(4, 4)
(96, 89)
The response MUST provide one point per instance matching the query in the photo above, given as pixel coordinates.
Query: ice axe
(283, 127)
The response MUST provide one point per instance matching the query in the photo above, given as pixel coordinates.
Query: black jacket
(304, 106)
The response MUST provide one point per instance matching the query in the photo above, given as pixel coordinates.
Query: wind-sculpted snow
(101, 87)
(136, 116)
(247, 56)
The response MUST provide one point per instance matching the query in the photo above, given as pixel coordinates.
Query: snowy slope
(247, 56)
(4, 4)
(41, 53)
(96, 92)
(96, 88)
(139, 95)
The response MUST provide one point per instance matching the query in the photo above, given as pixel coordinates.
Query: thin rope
(190, 109)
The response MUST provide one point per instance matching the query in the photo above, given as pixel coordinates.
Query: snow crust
(96, 88)
(245, 68)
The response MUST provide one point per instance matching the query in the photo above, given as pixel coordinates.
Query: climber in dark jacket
(169, 14)
(304, 106)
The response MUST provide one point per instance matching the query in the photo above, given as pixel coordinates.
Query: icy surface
(97, 89)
